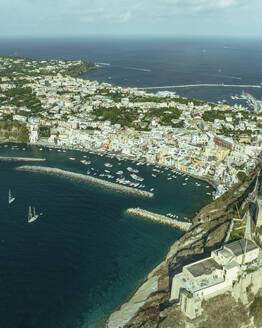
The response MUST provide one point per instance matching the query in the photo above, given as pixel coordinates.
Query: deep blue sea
(85, 256)
(149, 61)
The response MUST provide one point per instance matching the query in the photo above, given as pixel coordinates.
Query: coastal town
(52, 105)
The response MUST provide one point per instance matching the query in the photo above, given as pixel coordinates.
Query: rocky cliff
(150, 307)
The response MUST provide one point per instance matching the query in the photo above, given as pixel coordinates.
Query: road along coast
(21, 159)
(184, 226)
(86, 178)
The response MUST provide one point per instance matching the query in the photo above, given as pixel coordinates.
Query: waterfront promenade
(181, 225)
(203, 85)
(86, 178)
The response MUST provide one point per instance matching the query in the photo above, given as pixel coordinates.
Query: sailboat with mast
(11, 199)
(32, 215)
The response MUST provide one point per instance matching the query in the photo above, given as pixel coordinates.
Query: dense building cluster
(219, 142)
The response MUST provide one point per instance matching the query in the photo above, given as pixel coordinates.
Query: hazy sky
(172, 17)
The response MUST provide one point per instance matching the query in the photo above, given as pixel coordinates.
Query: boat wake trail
(139, 69)
(103, 64)
(228, 77)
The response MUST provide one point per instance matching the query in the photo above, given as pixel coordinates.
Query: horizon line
(103, 35)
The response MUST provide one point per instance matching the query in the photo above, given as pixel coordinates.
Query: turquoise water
(84, 256)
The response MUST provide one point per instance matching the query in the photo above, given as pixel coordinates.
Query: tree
(44, 131)
(241, 176)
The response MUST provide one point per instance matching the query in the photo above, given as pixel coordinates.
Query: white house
(34, 133)
(199, 139)
(19, 118)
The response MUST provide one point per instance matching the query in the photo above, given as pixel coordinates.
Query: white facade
(199, 139)
(19, 118)
(214, 275)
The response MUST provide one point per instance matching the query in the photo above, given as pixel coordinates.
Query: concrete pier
(181, 225)
(87, 178)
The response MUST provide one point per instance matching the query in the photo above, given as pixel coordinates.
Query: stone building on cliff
(215, 275)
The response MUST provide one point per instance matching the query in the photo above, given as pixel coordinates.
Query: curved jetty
(21, 159)
(88, 179)
(181, 225)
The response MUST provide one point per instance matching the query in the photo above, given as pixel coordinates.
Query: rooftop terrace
(204, 267)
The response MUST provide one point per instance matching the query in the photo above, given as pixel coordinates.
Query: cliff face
(219, 312)
(234, 309)
(149, 307)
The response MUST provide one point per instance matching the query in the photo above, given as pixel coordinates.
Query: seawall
(21, 159)
(86, 178)
(181, 225)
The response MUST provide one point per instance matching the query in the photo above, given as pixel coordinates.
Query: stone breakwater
(86, 178)
(21, 159)
(181, 225)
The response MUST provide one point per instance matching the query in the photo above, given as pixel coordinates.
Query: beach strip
(159, 218)
(87, 178)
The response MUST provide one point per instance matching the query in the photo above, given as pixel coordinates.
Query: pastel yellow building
(221, 153)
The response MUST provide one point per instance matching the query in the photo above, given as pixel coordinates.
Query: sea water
(84, 256)
(157, 61)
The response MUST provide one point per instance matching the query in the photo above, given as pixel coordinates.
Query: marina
(88, 179)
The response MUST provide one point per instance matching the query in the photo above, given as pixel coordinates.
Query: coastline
(190, 244)
(89, 179)
(197, 177)
(123, 156)
(177, 245)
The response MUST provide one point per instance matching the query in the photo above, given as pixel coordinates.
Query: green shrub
(241, 176)
(256, 310)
